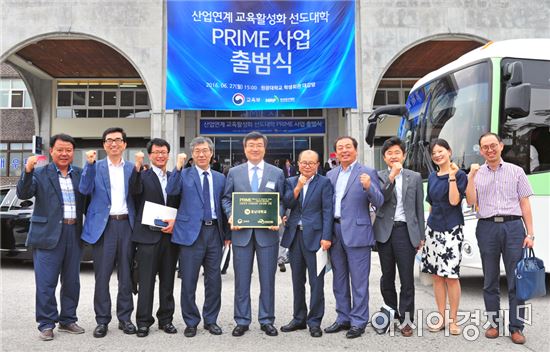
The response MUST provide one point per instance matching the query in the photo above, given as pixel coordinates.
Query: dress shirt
(399, 210)
(67, 191)
(118, 190)
(163, 179)
(211, 187)
(260, 171)
(340, 189)
(304, 192)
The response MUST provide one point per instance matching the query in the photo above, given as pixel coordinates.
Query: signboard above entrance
(260, 55)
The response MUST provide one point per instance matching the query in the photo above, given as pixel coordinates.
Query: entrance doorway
(229, 149)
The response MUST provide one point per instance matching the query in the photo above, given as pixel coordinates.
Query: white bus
(502, 87)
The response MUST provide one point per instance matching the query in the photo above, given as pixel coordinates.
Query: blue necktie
(207, 210)
(255, 184)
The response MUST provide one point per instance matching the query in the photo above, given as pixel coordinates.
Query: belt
(336, 220)
(210, 222)
(399, 224)
(300, 227)
(502, 218)
(119, 217)
(69, 221)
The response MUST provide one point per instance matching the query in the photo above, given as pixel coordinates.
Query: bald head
(308, 163)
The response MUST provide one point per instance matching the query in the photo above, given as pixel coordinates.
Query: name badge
(270, 185)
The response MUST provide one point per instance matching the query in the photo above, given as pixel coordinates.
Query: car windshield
(455, 107)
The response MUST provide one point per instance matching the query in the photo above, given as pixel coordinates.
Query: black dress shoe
(336, 327)
(169, 328)
(239, 330)
(293, 326)
(355, 332)
(315, 331)
(142, 331)
(214, 329)
(100, 330)
(190, 331)
(269, 329)
(127, 327)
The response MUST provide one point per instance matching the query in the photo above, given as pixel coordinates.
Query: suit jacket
(96, 183)
(238, 181)
(316, 212)
(355, 217)
(187, 184)
(47, 216)
(413, 204)
(289, 173)
(145, 186)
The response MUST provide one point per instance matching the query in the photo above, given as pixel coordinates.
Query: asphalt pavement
(19, 332)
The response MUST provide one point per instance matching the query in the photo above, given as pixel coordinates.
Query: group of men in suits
(331, 212)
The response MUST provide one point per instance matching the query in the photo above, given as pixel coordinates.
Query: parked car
(15, 217)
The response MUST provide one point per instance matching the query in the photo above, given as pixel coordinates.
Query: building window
(102, 99)
(13, 156)
(14, 94)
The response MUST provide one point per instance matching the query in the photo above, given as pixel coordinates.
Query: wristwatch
(452, 179)
(531, 237)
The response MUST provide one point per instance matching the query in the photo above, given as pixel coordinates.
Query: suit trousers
(494, 239)
(300, 260)
(113, 248)
(205, 252)
(350, 265)
(157, 258)
(399, 251)
(243, 260)
(49, 264)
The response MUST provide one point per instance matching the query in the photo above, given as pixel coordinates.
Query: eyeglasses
(308, 163)
(253, 146)
(204, 151)
(159, 153)
(492, 146)
(116, 141)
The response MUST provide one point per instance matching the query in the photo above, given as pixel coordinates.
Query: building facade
(88, 66)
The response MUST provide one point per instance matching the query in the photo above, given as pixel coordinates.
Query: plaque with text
(255, 209)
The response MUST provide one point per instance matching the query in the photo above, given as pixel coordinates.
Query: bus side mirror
(518, 100)
(371, 132)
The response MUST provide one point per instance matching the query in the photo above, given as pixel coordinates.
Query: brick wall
(16, 125)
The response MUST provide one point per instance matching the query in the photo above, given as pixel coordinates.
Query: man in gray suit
(399, 230)
(355, 189)
(254, 176)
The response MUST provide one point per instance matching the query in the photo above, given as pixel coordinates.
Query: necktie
(255, 184)
(207, 210)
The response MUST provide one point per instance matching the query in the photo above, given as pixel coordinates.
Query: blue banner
(260, 55)
(293, 126)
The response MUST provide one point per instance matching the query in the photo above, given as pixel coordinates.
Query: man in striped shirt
(501, 192)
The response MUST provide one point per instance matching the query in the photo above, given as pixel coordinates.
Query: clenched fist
(474, 168)
(395, 170)
(181, 161)
(453, 170)
(31, 163)
(365, 180)
(138, 161)
(91, 156)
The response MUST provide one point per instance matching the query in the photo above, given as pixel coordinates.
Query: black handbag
(530, 281)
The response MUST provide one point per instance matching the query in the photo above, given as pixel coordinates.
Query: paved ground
(18, 328)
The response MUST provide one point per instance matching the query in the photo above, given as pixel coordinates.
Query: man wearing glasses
(309, 227)
(501, 192)
(109, 222)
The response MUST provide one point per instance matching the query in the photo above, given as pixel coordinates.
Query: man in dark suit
(309, 227)
(399, 230)
(254, 176)
(109, 222)
(289, 169)
(155, 253)
(54, 235)
(199, 230)
(356, 187)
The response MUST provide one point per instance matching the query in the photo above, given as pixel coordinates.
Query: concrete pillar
(165, 124)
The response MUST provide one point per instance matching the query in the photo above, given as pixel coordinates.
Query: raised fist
(474, 168)
(138, 161)
(90, 156)
(453, 170)
(395, 170)
(31, 163)
(181, 160)
(365, 180)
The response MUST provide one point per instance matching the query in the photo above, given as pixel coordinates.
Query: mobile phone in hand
(160, 223)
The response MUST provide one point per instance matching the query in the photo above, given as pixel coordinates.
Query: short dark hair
(159, 142)
(487, 134)
(390, 142)
(114, 130)
(440, 142)
(353, 140)
(62, 137)
(253, 136)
